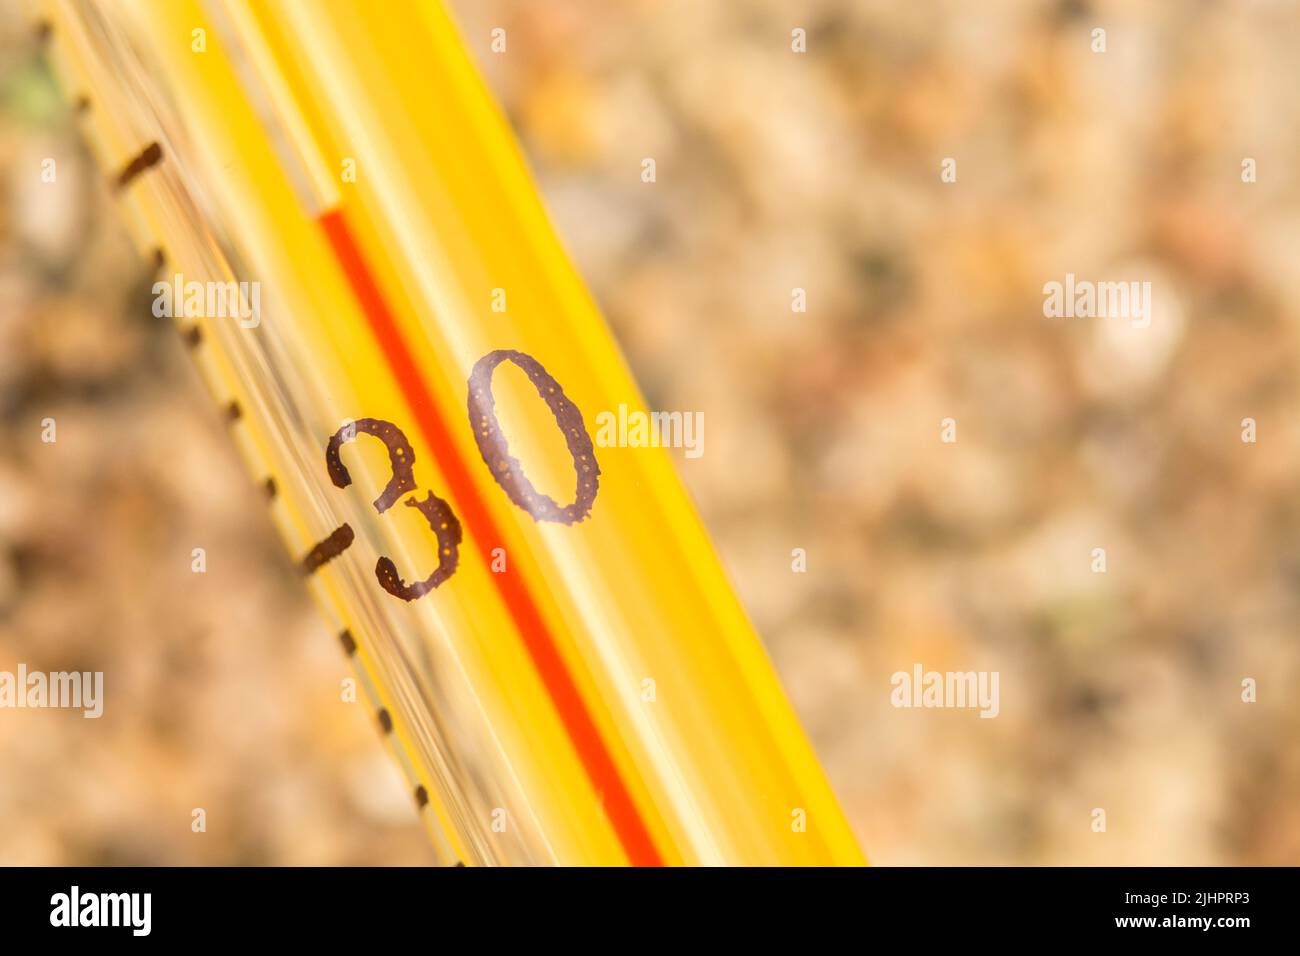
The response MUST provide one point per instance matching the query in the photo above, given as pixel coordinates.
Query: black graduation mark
(339, 540)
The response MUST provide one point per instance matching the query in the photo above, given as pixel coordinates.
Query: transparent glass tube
(565, 672)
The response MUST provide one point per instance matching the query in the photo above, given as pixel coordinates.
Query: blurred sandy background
(1118, 690)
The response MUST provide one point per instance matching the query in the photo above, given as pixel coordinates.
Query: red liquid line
(596, 759)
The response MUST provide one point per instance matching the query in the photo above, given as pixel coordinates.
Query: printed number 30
(492, 445)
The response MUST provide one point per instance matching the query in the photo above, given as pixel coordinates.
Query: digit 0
(507, 471)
